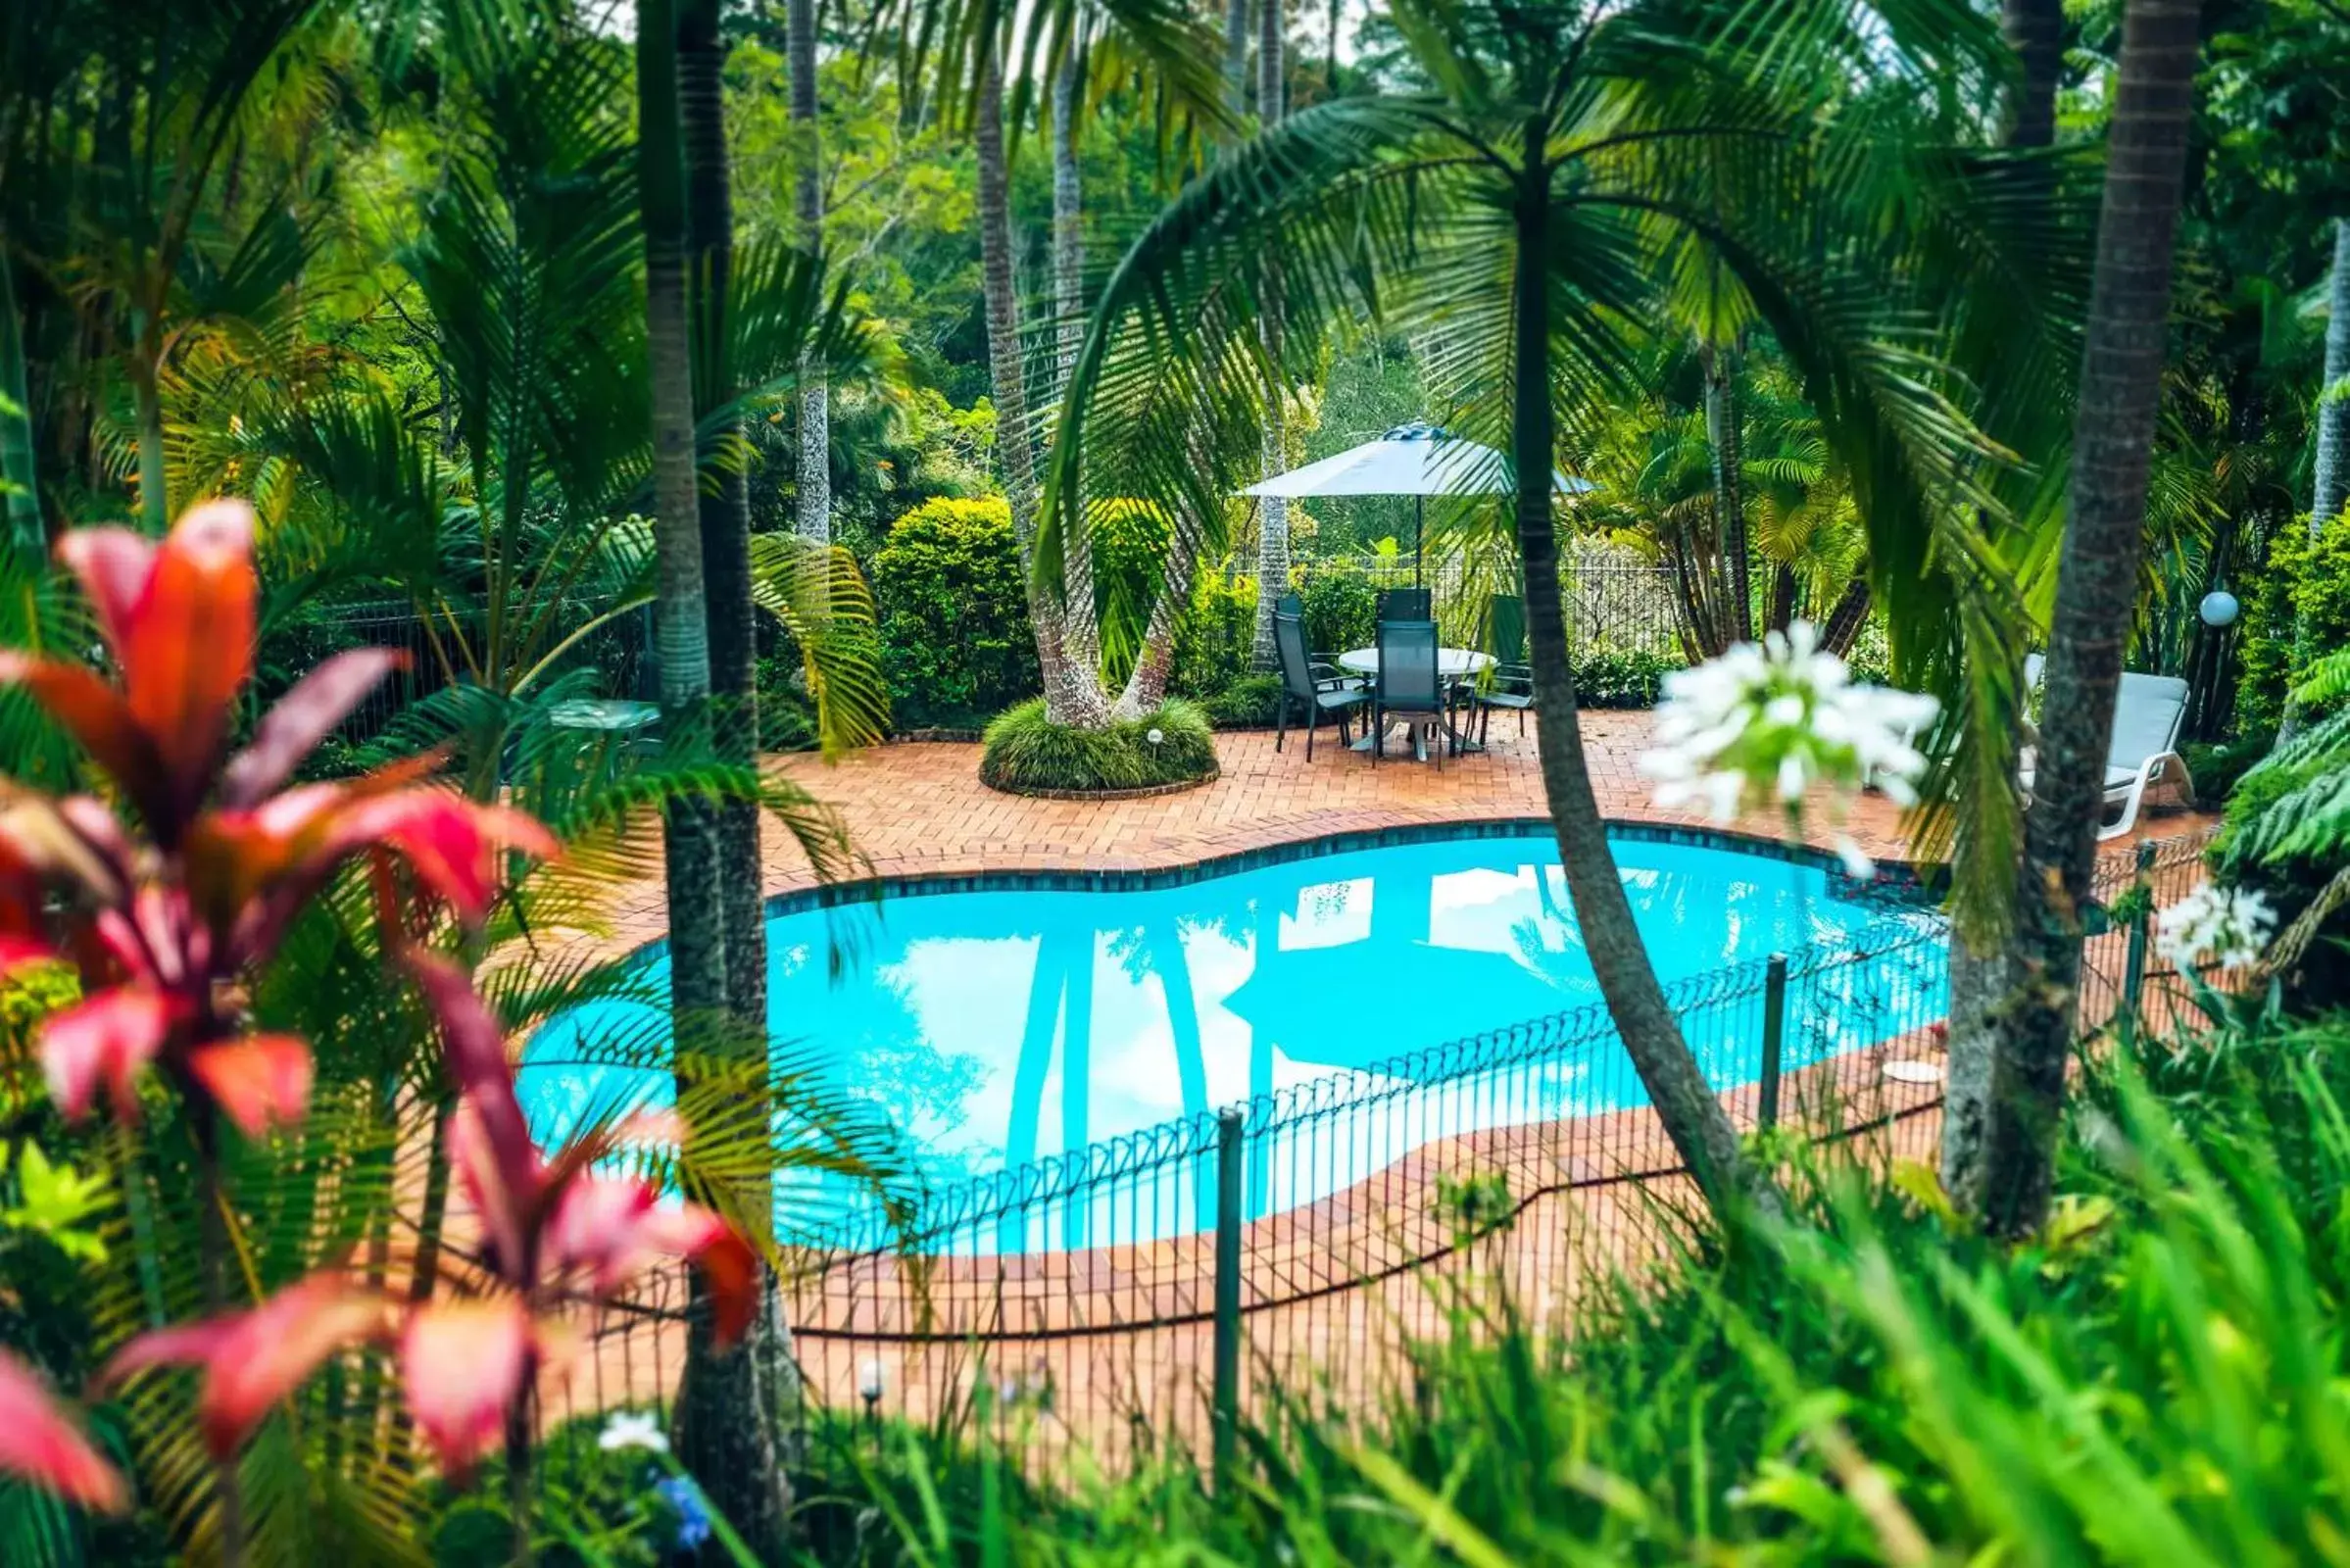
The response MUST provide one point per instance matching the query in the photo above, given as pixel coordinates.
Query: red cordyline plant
(167, 924)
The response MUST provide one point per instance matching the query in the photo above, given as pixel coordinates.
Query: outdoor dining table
(1451, 665)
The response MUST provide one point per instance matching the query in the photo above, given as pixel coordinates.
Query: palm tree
(1272, 511)
(1520, 212)
(2096, 594)
(813, 495)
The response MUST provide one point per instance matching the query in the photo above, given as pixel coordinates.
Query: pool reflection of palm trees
(1060, 992)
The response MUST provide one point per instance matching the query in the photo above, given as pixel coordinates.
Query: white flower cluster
(1763, 723)
(2230, 926)
(627, 1429)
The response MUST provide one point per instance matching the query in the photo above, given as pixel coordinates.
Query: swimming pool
(1003, 1025)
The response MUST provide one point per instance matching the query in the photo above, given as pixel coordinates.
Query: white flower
(628, 1428)
(2231, 925)
(1857, 864)
(1763, 723)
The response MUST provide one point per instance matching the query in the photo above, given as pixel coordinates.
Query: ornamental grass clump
(1025, 753)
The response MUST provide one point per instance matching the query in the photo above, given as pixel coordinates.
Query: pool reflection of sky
(999, 1027)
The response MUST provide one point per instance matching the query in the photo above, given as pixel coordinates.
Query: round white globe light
(1155, 736)
(2219, 609)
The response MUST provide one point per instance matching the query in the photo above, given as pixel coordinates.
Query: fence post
(1773, 1039)
(2133, 968)
(1226, 1410)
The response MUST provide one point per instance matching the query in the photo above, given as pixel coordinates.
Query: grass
(1024, 752)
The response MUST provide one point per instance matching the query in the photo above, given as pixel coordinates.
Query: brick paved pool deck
(918, 808)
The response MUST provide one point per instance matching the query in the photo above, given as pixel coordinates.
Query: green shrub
(1609, 679)
(1249, 702)
(1342, 610)
(955, 631)
(1024, 751)
(2215, 767)
(2307, 581)
(1215, 637)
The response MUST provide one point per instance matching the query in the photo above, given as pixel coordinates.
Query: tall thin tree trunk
(1685, 1102)
(1730, 492)
(814, 489)
(727, 1416)
(1787, 593)
(1068, 299)
(1236, 57)
(2333, 462)
(1982, 969)
(1072, 690)
(155, 501)
(2121, 393)
(17, 462)
(1849, 614)
(1272, 511)
(697, 947)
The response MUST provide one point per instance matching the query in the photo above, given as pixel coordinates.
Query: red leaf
(302, 718)
(188, 646)
(450, 842)
(113, 566)
(40, 1443)
(615, 1229)
(260, 1081)
(18, 953)
(97, 717)
(463, 1363)
(254, 1359)
(106, 1039)
(730, 1270)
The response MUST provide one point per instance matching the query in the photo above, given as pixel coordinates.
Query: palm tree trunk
(1272, 511)
(1685, 1102)
(16, 463)
(2333, 462)
(1068, 298)
(2121, 393)
(1072, 690)
(1844, 621)
(814, 488)
(1729, 497)
(155, 501)
(1982, 973)
(1236, 57)
(697, 950)
(726, 1419)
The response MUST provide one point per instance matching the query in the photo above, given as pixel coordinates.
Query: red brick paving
(919, 809)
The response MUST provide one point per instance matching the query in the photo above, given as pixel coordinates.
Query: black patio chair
(1511, 681)
(1314, 687)
(1407, 604)
(1409, 685)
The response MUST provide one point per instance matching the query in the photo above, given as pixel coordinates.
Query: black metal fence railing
(620, 650)
(1148, 1290)
(1615, 605)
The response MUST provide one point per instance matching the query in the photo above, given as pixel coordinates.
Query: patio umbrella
(1412, 460)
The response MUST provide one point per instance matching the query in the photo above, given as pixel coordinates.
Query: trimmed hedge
(1024, 752)
(954, 632)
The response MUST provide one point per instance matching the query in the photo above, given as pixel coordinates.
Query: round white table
(1451, 665)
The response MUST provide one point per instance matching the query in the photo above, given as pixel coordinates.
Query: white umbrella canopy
(1411, 460)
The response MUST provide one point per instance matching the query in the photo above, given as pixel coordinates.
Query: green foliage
(1214, 640)
(1630, 679)
(2217, 767)
(1026, 752)
(2305, 591)
(1250, 702)
(954, 633)
(2150, 1380)
(1342, 610)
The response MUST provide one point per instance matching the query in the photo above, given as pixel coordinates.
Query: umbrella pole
(1419, 523)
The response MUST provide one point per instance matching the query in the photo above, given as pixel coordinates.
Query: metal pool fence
(1148, 1290)
(1615, 605)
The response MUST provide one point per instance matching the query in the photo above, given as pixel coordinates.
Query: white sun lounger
(2145, 742)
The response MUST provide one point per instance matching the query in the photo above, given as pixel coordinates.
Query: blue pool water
(996, 1028)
